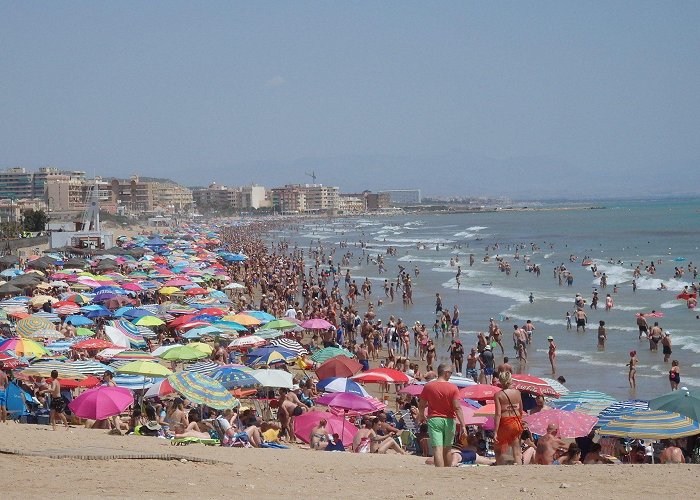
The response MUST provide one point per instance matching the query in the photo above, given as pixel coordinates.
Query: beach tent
(16, 399)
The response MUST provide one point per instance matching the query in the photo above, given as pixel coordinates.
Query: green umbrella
(280, 324)
(145, 368)
(183, 353)
(330, 352)
(84, 332)
(681, 401)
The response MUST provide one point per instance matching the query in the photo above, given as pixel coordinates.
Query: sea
(615, 236)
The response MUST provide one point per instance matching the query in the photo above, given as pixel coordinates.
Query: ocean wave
(416, 241)
(490, 290)
(466, 273)
(627, 308)
(414, 258)
(589, 359)
(670, 304)
(687, 342)
(616, 274)
(647, 283)
(464, 234)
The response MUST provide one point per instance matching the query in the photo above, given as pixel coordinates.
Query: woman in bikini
(508, 420)
(632, 377)
(318, 439)
(674, 375)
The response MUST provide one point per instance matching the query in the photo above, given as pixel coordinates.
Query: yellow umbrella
(40, 300)
(145, 368)
(148, 321)
(201, 346)
(168, 290)
(243, 319)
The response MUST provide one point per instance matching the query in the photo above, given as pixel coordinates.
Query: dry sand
(232, 472)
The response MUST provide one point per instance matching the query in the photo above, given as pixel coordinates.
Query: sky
(525, 99)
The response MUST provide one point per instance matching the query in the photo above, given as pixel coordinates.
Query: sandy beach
(230, 472)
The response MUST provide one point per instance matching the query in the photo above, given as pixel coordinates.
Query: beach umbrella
(268, 359)
(39, 300)
(130, 331)
(234, 377)
(681, 401)
(101, 402)
(148, 321)
(330, 352)
(347, 401)
(291, 345)
(488, 410)
(49, 316)
(338, 366)
(100, 312)
(280, 324)
(117, 337)
(316, 324)
(89, 367)
(557, 386)
(586, 396)
(479, 392)
(130, 355)
(341, 384)
(234, 286)
(183, 353)
(592, 407)
(247, 341)
(206, 367)
(76, 320)
(201, 346)
(44, 370)
(84, 332)
(230, 325)
(135, 312)
(413, 389)
(273, 378)
(571, 424)
(51, 334)
(261, 315)
(533, 385)
(159, 389)
(243, 319)
(10, 362)
(335, 425)
(470, 418)
(25, 327)
(651, 424)
(146, 368)
(94, 344)
(133, 382)
(67, 309)
(201, 389)
(616, 410)
(23, 347)
(269, 334)
(383, 375)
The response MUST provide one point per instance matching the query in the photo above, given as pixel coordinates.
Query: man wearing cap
(441, 398)
(486, 360)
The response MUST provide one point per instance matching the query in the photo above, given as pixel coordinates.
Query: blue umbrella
(229, 325)
(616, 410)
(77, 320)
(120, 312)
(341, 384)
(261, 315)
(201, 389)
(234, 377)
(99, 313)
(136, 312)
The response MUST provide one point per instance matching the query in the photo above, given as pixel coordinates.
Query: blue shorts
(455, 322)
(488, 371)
(365, 364)
(3, 397)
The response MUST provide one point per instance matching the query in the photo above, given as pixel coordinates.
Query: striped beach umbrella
(388, 375)
(616, 410)
(341, 384)
(651, 424)
(132, 355)
(25, 327)
(134, 382)
(201, 389)
(269, 334)
(130, 331)
(206, 367)
(586, 397)
(330, 352)
(23, 347)
(291, 345)
(593, 407)
(247, 341)
(557, 386)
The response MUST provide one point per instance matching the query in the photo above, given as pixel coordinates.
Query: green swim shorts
(441, 431)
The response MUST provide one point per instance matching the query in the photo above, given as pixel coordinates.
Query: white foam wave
(466, 273)
(687, 342)
(536, 319)
(427, 241)
(627, 308)
(615, 274)
(490, 290)
(464, 234)
(647, 283)
(670, 304)
(413, 258)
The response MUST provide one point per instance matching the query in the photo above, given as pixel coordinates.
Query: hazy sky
(452, 97)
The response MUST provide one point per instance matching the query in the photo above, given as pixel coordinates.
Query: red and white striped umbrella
(534, 385)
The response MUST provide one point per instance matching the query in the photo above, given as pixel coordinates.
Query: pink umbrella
(102, 402)
(336, 425)
(316, 324)
(388, 375)
(413, 389)
(571, 424)
(347, 401)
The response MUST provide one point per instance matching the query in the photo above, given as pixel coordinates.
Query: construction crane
(312, 174)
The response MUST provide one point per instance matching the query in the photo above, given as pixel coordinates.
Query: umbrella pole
(342, 433)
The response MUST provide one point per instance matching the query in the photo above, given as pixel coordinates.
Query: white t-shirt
(291, 313)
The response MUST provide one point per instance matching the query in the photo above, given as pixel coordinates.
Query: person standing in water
(632, 377)
(602, 335)
(552, 354)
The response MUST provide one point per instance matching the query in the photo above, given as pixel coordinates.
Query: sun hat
(487, 348)
(550, 338)
(152, 425)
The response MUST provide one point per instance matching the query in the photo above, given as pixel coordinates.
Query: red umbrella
(534, 385)
(181, 320)
(196, 291)
(338, 366)
(336, 425)
(382, 375)
(479, 392)
(69, 383)
(213, 311)
(95, 344)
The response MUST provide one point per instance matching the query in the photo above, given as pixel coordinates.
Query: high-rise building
(306, 198)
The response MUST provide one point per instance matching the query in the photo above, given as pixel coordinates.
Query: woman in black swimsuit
(674, 375)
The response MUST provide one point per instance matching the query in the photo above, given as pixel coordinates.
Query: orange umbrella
(243, 319)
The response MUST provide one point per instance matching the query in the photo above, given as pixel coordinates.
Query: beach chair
(239, 440)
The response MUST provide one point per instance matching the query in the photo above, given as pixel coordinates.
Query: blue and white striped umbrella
(232, 378)
(206, 367)
(53, 318)
(586, 397)
(62, 345)
(616, 410)
(134, 382)
(651, 424)
(341, 384)
(290, 344)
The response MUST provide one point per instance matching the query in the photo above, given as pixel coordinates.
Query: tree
(35, 220)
